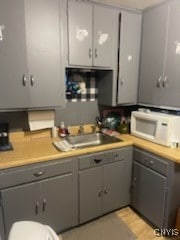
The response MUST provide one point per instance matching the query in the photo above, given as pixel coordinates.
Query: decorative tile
(81, 86)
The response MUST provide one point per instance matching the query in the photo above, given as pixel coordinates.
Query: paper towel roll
(41, 119)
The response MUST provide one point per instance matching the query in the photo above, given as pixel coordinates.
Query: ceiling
(135, 4)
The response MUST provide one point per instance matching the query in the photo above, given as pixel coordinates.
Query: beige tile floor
(141, 229)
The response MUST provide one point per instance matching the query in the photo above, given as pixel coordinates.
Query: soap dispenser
(62, 130)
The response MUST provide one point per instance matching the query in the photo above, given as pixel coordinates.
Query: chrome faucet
(93, 128)
(98, 123)
(81, 129)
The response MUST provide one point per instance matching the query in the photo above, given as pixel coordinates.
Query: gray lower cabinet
(149, 193)
(51, 200)
(155, 190)
(90, 192)
(1, 225)
(104, 182)
(30, 49)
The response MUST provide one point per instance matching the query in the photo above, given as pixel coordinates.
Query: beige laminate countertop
(40, 150)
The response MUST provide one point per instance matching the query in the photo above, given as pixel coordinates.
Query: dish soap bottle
(62, 130)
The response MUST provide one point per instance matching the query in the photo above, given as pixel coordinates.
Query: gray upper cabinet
(120, 86)
(129, 51)
(159, 74)
(13, 55)
(30, 63)
(91, 34)
(171, 84)
(80, 33)
(105, 41)
(43, 48)
(153, 54)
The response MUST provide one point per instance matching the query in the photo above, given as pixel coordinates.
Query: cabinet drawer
(91, 160)
(24, 174)
(151, 161)
(121, 154)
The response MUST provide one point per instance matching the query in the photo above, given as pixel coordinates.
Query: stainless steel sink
(91, 139)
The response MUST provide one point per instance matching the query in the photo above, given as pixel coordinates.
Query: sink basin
(91, 139)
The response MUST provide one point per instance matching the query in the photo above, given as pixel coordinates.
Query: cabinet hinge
(68, 57)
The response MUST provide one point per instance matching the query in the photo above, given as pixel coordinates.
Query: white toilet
(29, 230)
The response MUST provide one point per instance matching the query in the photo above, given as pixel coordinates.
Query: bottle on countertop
(124, 126)
(63, 132)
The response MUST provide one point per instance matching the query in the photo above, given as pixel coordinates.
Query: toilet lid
(29, 230)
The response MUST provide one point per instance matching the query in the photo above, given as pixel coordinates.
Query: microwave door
(146, 128)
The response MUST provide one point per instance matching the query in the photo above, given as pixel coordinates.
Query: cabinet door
(13, 60)
(80, 32)
(20, 203)
(1, 225)
(115, 186)
(43, 45)
(58, 202)
(90, 193)
(171, 85)
(154, 35)
(105, 36)
(149, 194)
(130, 37)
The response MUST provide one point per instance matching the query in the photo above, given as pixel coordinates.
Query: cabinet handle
(2, 27)
(164, 83)
(38, 174)
(106, 191)
(158, 84)
(134, 182)
(24, 80)
(121, 80)
(90, 53)
(37, 208)
(100, 193)
(97, 160)
(32, 80)
(44, 204)
(95, 52)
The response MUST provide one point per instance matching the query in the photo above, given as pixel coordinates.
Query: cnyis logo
(166, 232)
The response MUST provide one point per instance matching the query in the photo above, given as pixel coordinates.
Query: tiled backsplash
(81, 86)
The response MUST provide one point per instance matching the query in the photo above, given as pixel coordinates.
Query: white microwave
(157, 127)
